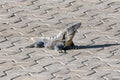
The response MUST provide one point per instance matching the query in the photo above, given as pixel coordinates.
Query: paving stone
(98, 39)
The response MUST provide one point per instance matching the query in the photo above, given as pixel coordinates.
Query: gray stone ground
(98, 58)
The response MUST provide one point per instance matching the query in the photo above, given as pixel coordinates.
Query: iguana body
(59, 42)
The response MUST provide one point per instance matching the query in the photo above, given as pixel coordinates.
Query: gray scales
(60, 42)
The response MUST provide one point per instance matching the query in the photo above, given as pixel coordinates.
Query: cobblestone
(98, 39)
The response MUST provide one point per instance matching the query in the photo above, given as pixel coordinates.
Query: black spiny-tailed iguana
(60, 42)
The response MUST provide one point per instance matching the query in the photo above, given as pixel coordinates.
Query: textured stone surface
(97, 59)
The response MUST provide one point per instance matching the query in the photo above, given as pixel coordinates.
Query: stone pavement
(98, 58)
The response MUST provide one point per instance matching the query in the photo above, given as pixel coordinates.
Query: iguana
(60, 42)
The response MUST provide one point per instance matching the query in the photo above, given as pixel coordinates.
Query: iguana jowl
(60, 42)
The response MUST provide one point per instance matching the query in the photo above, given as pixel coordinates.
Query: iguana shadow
(91, 46)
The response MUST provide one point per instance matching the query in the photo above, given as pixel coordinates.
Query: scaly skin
(60, 42)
